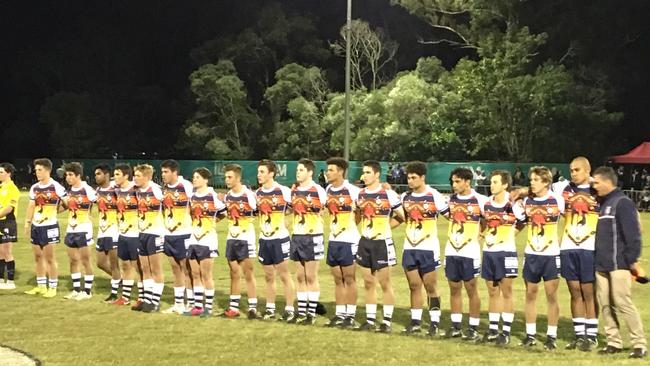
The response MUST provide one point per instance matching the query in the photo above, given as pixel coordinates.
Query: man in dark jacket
(618, 247)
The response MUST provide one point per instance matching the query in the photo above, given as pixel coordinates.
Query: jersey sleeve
(157, 192)
(482, 200)
(354, 192)
(60, 191)
(91, 193)
(560, 202)
(218, 204)
(286, 194)
(252, 201)
(518, 211)
(189, 189)
(558, 187)
(322, 195)
(441, 203)
(32, 195)
(393, 199)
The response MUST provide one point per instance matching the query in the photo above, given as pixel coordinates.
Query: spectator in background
(644, 205)
(620, 173)
(322, 181)
(518, 179)
(394, 174)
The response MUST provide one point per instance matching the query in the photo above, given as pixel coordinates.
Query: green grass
(61, 332)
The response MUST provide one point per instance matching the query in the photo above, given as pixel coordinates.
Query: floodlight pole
(348, 32)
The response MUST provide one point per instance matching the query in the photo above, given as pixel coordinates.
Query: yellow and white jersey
(80, 202)
(421, 212)
(464, 225)
(47, 198)
(150, 220)
(176, 207)
(205, 208)
(501, 225)
(307, 204)
(341, 204)
(241, 209)
(542, 216)
(107, 216)
(580, 215)
(127, 210)
(376, 208)
(272, 205)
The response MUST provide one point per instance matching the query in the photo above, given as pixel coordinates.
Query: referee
(9, 196)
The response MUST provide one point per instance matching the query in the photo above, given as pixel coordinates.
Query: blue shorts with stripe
(461, 268)
(498, 265)
(541, 267)
(424, 261)
(274, 251)
(340, 253)
(578, 265)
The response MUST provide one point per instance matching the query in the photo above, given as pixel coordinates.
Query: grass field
(63, 332)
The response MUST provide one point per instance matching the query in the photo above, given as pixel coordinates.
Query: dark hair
(505, 176)
(308, 164)
(340, 163)
(171, 165)
(607, 173)
(232, 168)
(74, 168)
(270, 165)
(9, 168)
(105, 168)
(203, 172)
(44, 162)
(462, 173)
(125, 169)
(416, 167)
(374, 164)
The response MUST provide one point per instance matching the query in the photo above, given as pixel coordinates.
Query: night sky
(134, 57)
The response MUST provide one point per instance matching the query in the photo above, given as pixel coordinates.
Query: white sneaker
(3, 286)
(83, 295)
(72, 296)
(9, 285)
(175, 309)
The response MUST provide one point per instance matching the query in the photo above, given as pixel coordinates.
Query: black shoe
(268, 315)
(366, 327)
(252, 314)
(471, 335)
(503, 340)
(413, 328)
(529, 341)
(349, 323)
(550, 343)
(454, 333)
(491, 336)
(111, 298)
(309, 320)
(336, 321)
(288, 317)
(577, 343)
(299, 319)
(384, 328)
(609, 350)
(138, 306)
(589, 344)
(320, 309)
(638, 353)
(149, 308)
(433, 330)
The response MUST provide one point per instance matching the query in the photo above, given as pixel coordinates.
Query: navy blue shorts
(307, 248)
(578, 265)
(424, 261)
(376, 254)
(238, 250)
(340, 253)
(127, 248)
(538, 267)
(150, 244)
(274, 251)
(8, 231)
(105, 244)
(201, 252)
(175, 246)
(498, 265)
(77, 240)
(44, 235)
(461, 268)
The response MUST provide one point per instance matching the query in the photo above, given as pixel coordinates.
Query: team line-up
(140, 222)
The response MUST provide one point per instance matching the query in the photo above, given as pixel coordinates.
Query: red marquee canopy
(638, 155)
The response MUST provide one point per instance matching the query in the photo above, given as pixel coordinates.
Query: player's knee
(349, 279)
(269, 277)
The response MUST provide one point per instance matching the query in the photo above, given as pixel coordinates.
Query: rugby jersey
(176, 203)
(376, 208)
(341, 206)
(542, 216)
(271, 206)
(421, 213)
(80, 201)
(107, 206)
(205, 208)
(9, 196)
(241, 209)
(150, 220)
(501, 225)
(307, 203)
(47, 198)
(580, 215)
(464, 214)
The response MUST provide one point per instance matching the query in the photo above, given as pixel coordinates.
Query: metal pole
(346, 149)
